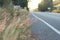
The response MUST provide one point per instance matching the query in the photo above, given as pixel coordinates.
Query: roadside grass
(56, 11)
(15, 26)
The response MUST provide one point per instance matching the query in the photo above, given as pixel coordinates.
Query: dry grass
(15, 26)
(56, 11)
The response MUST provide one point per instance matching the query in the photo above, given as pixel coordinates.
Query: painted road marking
(57, 31)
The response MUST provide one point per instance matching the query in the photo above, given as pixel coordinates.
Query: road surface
(46, 26)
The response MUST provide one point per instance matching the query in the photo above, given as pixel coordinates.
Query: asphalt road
(46, 26)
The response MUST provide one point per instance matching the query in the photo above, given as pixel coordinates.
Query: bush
(56, 11)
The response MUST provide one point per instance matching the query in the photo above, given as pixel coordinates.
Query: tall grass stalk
(14, 26)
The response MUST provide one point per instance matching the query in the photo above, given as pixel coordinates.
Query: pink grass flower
(1, 28)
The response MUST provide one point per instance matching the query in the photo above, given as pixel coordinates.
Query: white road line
(57, 31)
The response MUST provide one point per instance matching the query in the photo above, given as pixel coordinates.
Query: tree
(7, 3)
(23, 3)
(45, 4)
(16, 2)
(1, 2)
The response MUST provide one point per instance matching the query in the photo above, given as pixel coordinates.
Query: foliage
(16, 2)
(22, 3)
(43, 6)
(9, 3)
(1, 3)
